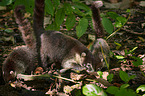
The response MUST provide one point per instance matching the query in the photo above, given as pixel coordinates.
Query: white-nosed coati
(20, 60)
(57, 47)
(99, 42)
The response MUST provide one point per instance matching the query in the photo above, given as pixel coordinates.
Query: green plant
(124, 76)
(119, 22)
(93, 90)
(58, 12)
(122, 91)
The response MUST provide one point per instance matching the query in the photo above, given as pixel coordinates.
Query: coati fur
(20, 60)
(99, 44)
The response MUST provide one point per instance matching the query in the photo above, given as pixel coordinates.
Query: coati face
(81, 62)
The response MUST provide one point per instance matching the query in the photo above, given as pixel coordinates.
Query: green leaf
(78, 12)
(70, 21)
(124, 76)
(81, 27)
(122, 19)
(93, 90)
(68, 9)
(119, 57)
(118, 24)
(49, 7)
(108, 26)
(53, 26)
(59, 17)
(6, 2)
(100, 73)
(112, 90)
(132, 77)
(124, 86)
(128, 10)
(81, 6)
(113, 15)
(141, 87)
(56, 3)
(138, 61)
(9, 30)
(125, 92)
(110, 77)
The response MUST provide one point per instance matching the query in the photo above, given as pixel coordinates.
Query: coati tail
(38, 27)
(38, 16)
(25, 27)
(96, 18)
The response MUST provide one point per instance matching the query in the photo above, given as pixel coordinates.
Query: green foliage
(108, 26)
(82, 27)
(70, 21)
(6, 2)
(122, 91)
(110, 77)
(49, 7)
(29, 5)
(124, 76)
(59, 16)
(100, 73)
(141, 88)
(128, 54)
(93, 90)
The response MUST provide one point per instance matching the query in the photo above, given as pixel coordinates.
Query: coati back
(99, 44)
(20, 60)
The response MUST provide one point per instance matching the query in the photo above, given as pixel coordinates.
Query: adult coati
(100, 46)
(60, 48)
(57, 47)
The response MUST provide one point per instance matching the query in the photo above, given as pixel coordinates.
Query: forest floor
(133, 36)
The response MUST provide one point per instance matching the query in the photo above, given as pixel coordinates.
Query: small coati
(99, 42)
(20, 60)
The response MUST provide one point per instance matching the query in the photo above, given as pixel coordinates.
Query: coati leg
(99, 44)
(20, 60)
